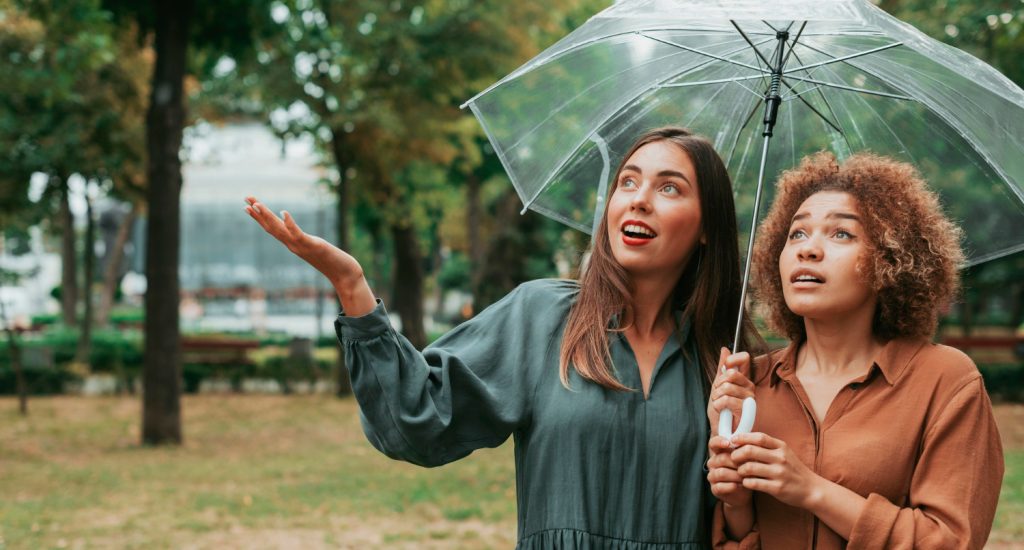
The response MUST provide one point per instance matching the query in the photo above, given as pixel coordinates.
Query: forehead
(661, 155)
(824, 203)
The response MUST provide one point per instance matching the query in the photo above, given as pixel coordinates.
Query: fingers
(757, 439)
(758, 469)
(290, 224)
(719, 444)
(729, 389)
(769, 486)
(734, 404)
(739, 361)
(266, 218)
(722, 355)
(724, 475)
(734, 377)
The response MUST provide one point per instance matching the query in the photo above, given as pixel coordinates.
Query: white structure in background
(223, 249)
(39, 271)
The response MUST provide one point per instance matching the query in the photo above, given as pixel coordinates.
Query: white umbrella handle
(749, 413)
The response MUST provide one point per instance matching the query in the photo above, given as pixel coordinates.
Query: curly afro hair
(913, 250)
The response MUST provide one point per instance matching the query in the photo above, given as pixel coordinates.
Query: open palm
(336, 264)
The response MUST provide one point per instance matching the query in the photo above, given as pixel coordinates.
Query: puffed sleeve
(955, 486)
(468, 390)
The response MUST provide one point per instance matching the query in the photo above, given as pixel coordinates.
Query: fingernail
(256, 208)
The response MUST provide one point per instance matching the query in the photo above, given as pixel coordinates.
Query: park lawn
(255, 472)
(273, 472)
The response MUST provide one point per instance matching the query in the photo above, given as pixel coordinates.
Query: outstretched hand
(340, 268)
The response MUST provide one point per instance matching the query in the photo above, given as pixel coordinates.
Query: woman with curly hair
(868, 435)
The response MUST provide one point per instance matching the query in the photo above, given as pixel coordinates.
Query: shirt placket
(832, 415)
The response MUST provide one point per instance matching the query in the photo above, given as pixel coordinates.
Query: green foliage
(1004, 383)
(72, 100)
(455, 273)
(989, 29)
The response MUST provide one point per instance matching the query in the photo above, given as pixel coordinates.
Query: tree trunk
(165, 120)
(15, 350)
(1017, 316)
(381, 276)
(344, 383)
(89, 263)
(111, 276)
(476, 246)
(69, 261)
(408, 288)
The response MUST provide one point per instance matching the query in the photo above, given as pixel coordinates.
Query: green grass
(254, 469)
(273, 471)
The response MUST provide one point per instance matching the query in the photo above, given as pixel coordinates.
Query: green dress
(595, 468)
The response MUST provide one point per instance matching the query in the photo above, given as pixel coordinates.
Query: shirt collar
(891, 360)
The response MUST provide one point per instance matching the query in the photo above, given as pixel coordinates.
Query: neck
(839, 346)
(652, 308)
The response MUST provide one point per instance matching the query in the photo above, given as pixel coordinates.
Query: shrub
(1004, 383)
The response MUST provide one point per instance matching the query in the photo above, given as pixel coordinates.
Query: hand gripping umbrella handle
(746, 419)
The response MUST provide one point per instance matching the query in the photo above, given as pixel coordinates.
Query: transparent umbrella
(767, 82)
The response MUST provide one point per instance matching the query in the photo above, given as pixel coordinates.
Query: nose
(810, 250)
(641, 200)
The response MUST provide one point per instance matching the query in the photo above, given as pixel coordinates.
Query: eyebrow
(840, 215)
(663, 173)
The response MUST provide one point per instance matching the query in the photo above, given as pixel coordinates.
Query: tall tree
(187, 39)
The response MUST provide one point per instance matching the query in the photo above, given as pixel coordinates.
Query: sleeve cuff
(371, 325)
(721, 541)
(872, 528)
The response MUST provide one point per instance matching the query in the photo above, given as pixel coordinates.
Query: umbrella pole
(772, 101)
(750, 245)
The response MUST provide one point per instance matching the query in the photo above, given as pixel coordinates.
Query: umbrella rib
(884, 123)
(802, 92)
(874, 74)
(594, 85)
(747, 38)
(531, 65)
(850, 88)
(703, 82)
(699, 52)
(757, 95)
(792, 46)
(834, 125)
(828, 104)
(739, 132)
(529, 203)
(847, 57)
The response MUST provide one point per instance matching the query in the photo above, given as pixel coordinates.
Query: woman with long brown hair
(602, 382)
(868, 435)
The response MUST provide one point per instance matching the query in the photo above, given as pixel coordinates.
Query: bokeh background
(169, 375)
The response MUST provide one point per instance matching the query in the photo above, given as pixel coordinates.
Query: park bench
(217, 350)
(1008, 345)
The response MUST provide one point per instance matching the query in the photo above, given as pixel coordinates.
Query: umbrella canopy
(849, 78)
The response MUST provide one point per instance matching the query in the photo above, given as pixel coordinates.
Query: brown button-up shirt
(915, 436)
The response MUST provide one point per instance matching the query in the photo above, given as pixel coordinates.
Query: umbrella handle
(747, 417)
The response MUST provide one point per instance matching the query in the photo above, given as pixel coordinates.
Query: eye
(843, 234)
(670, 189)
(796, 234)
(628, 183)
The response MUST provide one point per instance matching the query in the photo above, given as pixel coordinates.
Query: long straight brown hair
(708, 291)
